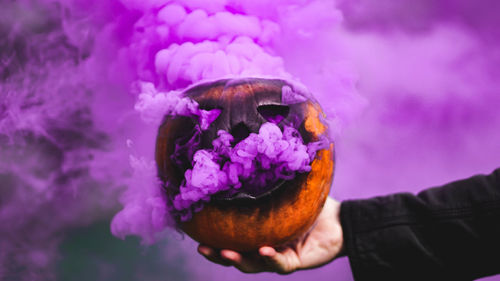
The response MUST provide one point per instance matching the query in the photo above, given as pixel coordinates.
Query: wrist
(340, 235)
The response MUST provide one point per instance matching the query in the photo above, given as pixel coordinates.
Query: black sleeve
(444, 233)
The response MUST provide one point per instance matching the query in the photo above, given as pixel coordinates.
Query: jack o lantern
(248, 218)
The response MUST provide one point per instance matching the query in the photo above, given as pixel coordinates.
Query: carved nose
(239, 131)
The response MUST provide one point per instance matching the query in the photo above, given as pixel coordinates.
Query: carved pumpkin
(245, 221)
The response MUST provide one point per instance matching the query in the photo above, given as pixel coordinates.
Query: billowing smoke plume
(176, 44)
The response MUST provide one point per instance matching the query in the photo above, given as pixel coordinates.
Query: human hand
(320, 246)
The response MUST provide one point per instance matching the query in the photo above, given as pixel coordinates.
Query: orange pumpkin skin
(277, 217)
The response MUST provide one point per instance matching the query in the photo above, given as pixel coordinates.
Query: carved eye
(274, 113)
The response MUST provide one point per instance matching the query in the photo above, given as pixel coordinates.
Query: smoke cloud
(410, 88)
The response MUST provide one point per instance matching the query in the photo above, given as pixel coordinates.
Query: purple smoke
(180, 43)
(257, 162)
(154, 105)
(70, 137)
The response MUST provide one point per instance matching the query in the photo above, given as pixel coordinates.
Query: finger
(270, 256)
(231, 256)
(204, 250)
(248, 263)
(282, 263)
(212, 255)
(267, 251)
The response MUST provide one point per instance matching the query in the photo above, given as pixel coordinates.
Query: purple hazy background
(410, 86)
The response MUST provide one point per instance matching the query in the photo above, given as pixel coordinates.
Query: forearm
(447, 232)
